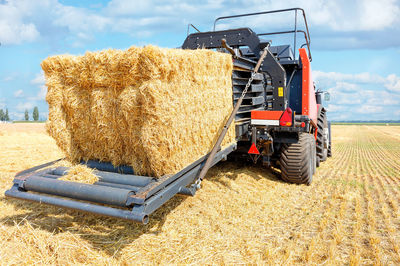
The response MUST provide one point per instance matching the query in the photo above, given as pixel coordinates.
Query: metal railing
(295, 31)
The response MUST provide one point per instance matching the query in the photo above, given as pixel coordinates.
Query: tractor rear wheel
(330, 141)
(322, 136)
(298, 160)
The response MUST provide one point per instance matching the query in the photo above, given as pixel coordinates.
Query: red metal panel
(267, 115)
(309, 104)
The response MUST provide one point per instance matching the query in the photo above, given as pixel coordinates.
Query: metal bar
(60, 171)
(106, 184)
(187, 191)
(123, 179)
(308, 40)
(76, 205)
(290, 79)
(291, 31)
(282, 32)
(99, 194)
(188, 28)
(49, 176)
(30, 170)
(108, 167)
(255, 14)
(295, 33)
(131, 180)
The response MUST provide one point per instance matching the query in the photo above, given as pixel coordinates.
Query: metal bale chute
(122, 194)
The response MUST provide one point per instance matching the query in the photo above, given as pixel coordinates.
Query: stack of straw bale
(155, 109)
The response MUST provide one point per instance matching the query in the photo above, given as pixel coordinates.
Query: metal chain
(253, 74)
(197, 183)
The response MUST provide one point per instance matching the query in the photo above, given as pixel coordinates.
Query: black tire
(322, 145)
(298, 160)
(313, 152)
(330, 140)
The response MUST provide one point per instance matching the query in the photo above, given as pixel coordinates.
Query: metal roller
(131, 180)
(76, 205)
(132, 188)
(109, 167)
(99, 194)
(123, 179)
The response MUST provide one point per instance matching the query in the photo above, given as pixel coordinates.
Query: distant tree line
(35, 114)
(4, 115)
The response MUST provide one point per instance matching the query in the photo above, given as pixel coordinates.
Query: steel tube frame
(121, 179)
(139, 205)
(94, 193)
(76, 205)
(106, 166)
(292, 31)
(296, 9)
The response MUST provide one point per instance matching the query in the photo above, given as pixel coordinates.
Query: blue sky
(355, 44)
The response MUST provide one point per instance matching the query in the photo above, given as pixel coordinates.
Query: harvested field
(243, 214)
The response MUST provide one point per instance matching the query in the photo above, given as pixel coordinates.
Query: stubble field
(243, 214)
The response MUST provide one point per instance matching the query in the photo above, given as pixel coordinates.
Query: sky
(355, 45)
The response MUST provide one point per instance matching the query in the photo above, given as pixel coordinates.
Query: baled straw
(155, 109)
(81, 174)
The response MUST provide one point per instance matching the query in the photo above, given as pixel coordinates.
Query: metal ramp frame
(118, 193)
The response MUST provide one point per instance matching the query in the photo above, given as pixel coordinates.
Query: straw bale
(81, 174)
(153, 108)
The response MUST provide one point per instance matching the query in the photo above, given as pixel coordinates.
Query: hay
(155, 109)
(81, 174)
(242, 215)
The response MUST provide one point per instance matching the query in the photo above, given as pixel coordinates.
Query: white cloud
(369, 109)
(9, 78)
(78, 20)
(355, 23)
(40, 82)
(19, 94)
(13, 28)
(335, 107)
(359, 77)
(39, 79)
(41, 95)
(361, 96)
(393, 83)
(24, 106)
(348, 81)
